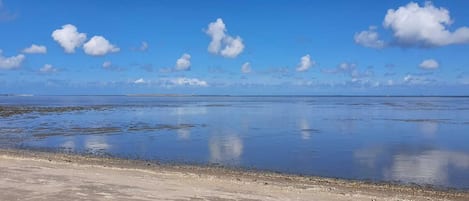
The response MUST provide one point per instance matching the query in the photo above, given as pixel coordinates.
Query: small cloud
(47, 68)
(246, 68)
(35, 49)
(305, 63)
(69, 38)
(183, 63)
(344, 67)
(142, 48)
(429, 64)
(424, 26)
(140, 81)
(183, 81)
(369, 38)
(417, 80)
(99, 46)
(350, 69)
(222, 43)
(13, 62)
(107, 64)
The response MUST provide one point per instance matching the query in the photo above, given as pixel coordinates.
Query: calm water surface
(422, 140)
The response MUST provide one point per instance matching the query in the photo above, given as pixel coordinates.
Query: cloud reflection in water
(225, 149)
(429, 167)
(96, 144)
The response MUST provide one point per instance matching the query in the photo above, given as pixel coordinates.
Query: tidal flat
(403, 140)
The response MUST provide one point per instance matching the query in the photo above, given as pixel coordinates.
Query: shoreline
(284, 184)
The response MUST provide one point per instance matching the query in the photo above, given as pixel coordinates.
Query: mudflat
(27, 175)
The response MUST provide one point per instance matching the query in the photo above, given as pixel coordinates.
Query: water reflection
(225, 149)
(68, 145)
(181, 111)
(430, 167)
(96, 144)
(305, 129)
(183, 133)
(378, 138)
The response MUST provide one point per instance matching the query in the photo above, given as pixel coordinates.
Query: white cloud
(246, 68)
(183, 81)
(7, 63)
(425, 26)
(69, 38)
(99, 46)
(369, 38)
(184, 63)
(417, 80)
(429, 64)
(107, 64)
(305, 63)
(47, 68)
(216, 30)
(35, 49)
(140, 81)
(234, 47)
(222, 43)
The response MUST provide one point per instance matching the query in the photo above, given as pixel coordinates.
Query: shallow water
(422, 140)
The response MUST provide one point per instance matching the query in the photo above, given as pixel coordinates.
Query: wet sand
(27, 175)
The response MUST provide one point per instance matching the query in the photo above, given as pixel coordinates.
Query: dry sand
(28, 175)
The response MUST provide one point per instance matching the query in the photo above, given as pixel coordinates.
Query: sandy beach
(30, 175)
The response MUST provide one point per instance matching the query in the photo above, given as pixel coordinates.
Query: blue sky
(244, 47)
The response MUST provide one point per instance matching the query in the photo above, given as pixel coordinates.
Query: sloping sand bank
(28, 175)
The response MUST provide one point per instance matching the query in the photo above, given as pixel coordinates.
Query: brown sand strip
(26, 175)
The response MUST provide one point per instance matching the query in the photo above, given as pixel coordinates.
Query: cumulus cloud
(246, 68)
(48, 68)
(183, 63)
(140, 81)
(7, 63)
(429, 64)
(369, 38)
(184, 81)
(99, 46)
(424, 26)
(69, 38)
(234, 47)
(305, 63)
(222, 43)
(35, 49)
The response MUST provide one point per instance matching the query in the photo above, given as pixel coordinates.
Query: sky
(255, 47)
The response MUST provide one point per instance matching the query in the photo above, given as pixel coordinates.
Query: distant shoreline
(208, 95)
(230, 179)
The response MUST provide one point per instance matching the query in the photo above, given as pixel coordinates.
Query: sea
(409, 140)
